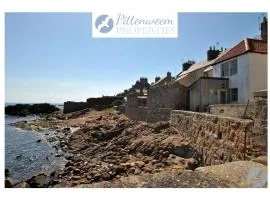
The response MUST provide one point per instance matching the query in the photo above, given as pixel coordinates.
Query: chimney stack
(169, 76)
(264, 29)
(186, 65)
(212, 53)
(157, 79)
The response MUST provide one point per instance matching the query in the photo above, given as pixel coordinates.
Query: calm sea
(24, 156)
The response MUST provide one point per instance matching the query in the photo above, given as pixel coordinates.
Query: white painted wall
(251, 75)
(258, 72)
(239, 80)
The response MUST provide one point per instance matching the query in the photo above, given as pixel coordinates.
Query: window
(234, 95)
(225, 69)
(229, 68)
(233, 67)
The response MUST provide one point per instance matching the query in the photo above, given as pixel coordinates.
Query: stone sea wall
(147, 114)
(232, 110)
(71, 106)
(221, 139)
(168, 96)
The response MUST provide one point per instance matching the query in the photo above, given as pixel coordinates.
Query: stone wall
(257, 135)
(103, 102)
(220, 139)
(147, 114)
(172, 96)
(232, 110)
(71, 106)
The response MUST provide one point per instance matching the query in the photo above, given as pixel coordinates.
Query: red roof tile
(246, 45)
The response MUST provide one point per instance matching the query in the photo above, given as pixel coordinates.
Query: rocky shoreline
(106, 149)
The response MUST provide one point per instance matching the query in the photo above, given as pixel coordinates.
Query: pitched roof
(246, 45)
(199, 65)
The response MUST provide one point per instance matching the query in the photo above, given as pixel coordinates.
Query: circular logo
(104, 24)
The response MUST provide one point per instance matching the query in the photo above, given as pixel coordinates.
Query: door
(222, 97)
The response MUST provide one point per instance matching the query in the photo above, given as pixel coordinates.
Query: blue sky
(51, 57)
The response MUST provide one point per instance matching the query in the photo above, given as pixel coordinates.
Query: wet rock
(38, 181)
(8, 183)
(22, 185)
(31, 159)
(18, 157)
(7, 173)
(59, 155)
(69, 163)
(39, 140)
(52, 139)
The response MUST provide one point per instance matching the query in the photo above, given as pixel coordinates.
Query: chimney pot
(264, 34)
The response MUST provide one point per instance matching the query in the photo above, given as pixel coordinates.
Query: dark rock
(191, 163)
(66, 129)
(59, 155)
(8, 183)
(27, 109)
(38, 181)
(160, 126)
(31, 159)
(39, 140)
(69, 163)
(76, 171)
(99, 118)
(105, 176)
(76, 177)
(52, 139)
(7, 173)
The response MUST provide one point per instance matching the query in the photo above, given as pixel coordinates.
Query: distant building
(164, 81)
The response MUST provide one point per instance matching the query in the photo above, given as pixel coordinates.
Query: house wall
(167, 96)
(239, 80)
(201, 95)
(258, 72)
